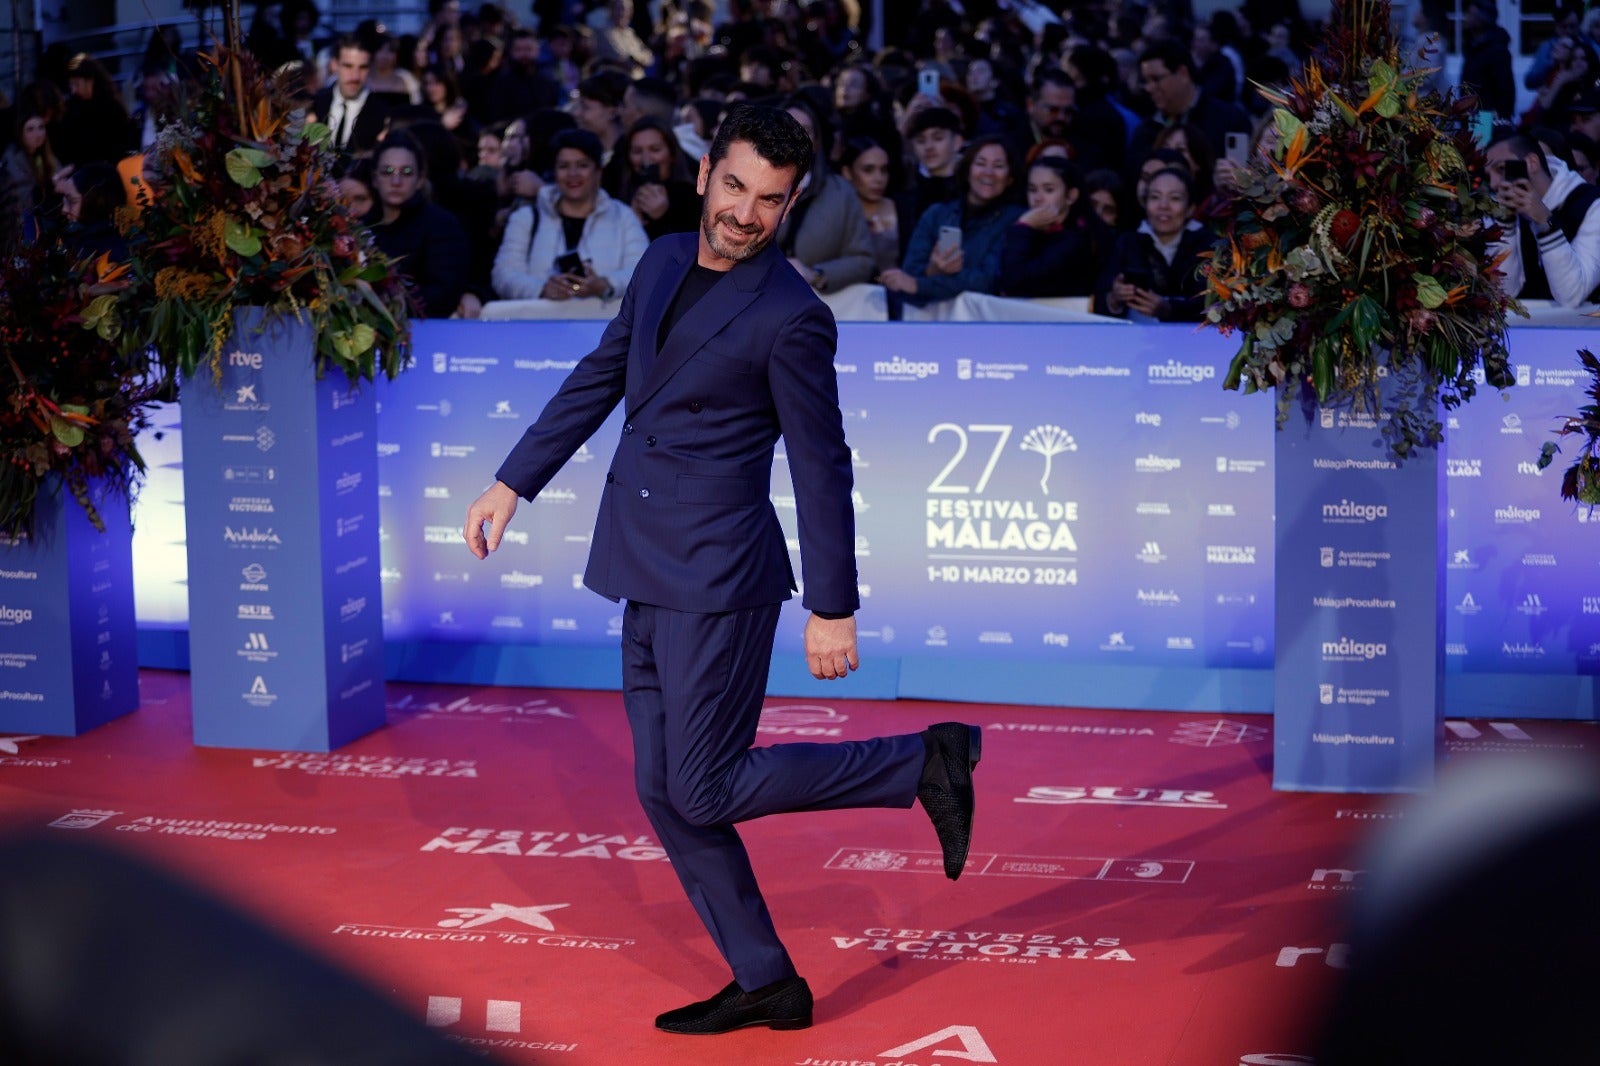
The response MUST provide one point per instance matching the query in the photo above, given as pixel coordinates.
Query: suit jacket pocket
(726, 491)
(724, 362)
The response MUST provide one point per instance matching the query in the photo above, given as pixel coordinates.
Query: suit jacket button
(651, 441)
(644, 494)
(696, 406)
(610, 477)
(627, 427)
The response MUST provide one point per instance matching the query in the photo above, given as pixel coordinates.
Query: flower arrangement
(1581, 482)
(71, 400)
(242, 210)
(1354, 249)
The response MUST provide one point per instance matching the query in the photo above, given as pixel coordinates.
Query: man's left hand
(831, 647)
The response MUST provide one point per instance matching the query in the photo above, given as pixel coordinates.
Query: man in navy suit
(719, 348)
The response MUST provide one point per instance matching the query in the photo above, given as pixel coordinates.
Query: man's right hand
(496, 506)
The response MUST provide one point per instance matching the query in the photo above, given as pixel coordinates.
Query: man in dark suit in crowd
(348, 106)
(1167, 71)
(718, 348)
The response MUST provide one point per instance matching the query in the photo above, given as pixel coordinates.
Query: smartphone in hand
(949, 240)
(570, 263)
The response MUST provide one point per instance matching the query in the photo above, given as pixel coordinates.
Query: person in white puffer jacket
(1552, 246)
(570, 214)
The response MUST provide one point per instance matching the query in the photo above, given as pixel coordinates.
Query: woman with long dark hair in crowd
(441, 91)
(875, 174)
(936, 269)
(95, 125)
(26, 170)
(655, 180)
(1056, 246)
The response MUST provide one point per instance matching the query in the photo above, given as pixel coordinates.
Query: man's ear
(702, 181)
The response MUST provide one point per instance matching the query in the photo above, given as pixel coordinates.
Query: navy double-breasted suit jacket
(686, 520)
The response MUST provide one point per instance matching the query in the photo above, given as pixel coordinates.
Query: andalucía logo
(550, 844)
(470, 710)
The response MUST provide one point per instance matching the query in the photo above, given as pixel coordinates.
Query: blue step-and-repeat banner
(1058, 514)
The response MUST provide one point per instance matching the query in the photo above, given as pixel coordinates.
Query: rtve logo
(248, 360)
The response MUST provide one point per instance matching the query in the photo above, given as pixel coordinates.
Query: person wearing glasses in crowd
(1166, 70)
(574, 240)
(427, 243)
(1052, 109)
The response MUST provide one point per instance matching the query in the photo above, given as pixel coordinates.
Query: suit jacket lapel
(729, 296)
(648, 324)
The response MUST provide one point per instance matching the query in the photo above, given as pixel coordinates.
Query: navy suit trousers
(693, 686)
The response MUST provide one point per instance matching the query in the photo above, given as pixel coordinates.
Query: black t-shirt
(694, 287)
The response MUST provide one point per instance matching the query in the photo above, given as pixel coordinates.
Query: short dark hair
(1170, 54)
(352, 40)
(774, 134)
(605, 86)
(1050, 76)
(579, 141)
(1522, 146)
(657, 90)
(1181, 174)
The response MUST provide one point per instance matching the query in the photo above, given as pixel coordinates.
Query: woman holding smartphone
(1154, 273)
(957, 244)
(656, 182)
(574, 240)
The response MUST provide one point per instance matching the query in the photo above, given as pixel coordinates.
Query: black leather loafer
(946, 790)
(783, 1004)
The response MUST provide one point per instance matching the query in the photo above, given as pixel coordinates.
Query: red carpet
(1137, 893)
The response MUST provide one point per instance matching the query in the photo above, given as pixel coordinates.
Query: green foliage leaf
(1430, 293)
(244, 166)
(66, 431)
(101, 316)
(317, 132)
(1288, 124)
(241, 239)
(1366, 318)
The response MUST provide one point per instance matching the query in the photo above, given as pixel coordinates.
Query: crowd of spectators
(1018, 148)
